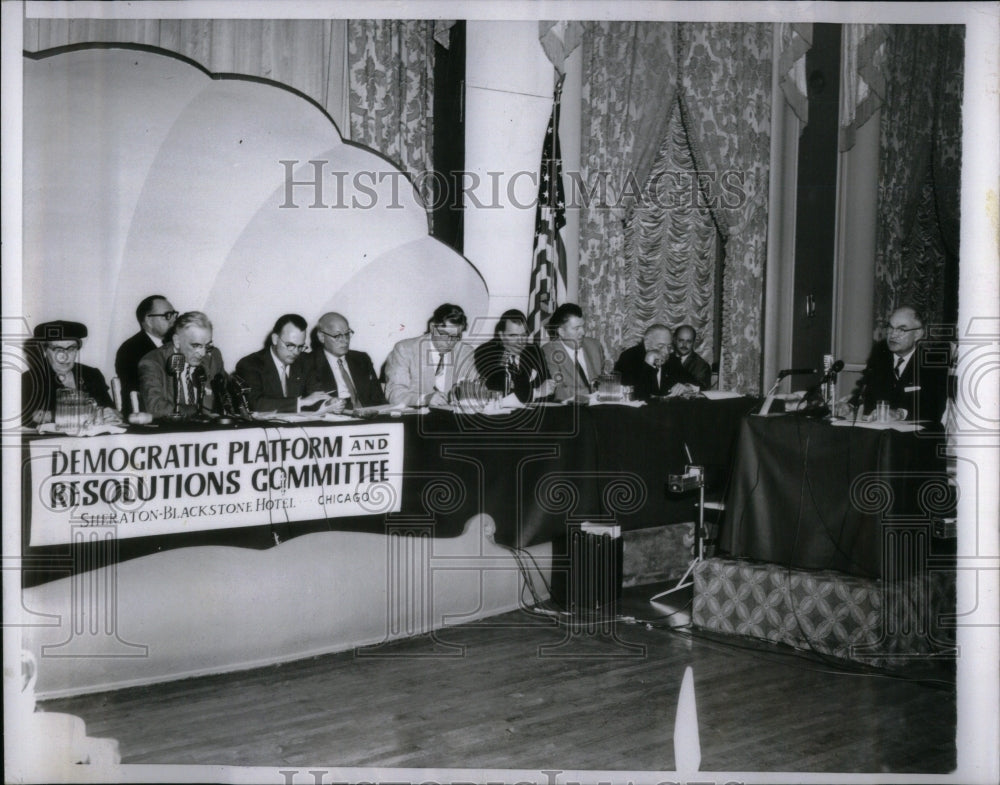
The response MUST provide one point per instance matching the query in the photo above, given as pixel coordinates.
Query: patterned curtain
(629, 79)
(391, 76)
(671, 240)
(306, 54)
(916, 257)
(726, 107)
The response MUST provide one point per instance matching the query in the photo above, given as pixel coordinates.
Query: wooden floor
(522, 692)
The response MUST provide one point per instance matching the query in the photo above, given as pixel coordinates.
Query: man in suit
(275, 376)
(339, 371)
(643, 365)
(690, 372)
(905, 370)
(200, 362)
(156, 316)
(574, 360)
(422, 371)
(508, 363)
(58, 369)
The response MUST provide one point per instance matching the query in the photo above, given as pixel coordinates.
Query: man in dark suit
(690, 372)
(340, 371)
(156, 316)
(644, 365)
(508, 363)
(200, 362)
(575, 361)
(905, 370)
(58, 369)
(275, 376)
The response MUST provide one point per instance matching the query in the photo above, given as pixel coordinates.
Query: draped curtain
(916, 258)
(725, 99)
(305, 54)
(671, 238)
(391, 97)
(629, 79)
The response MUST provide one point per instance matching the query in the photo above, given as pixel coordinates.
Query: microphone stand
(175, 365)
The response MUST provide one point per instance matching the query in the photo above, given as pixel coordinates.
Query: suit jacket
(922, 388)
(693, 370)
(319, 376)
(39, 385)
(261, 375)
(409, 369)
(564, 371)
(636, 371)
(530, 372)
(156, 386)
(127, 365)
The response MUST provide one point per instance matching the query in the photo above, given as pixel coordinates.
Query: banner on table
(183, 482)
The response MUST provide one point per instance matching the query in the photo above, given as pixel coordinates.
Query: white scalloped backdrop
(143, 174)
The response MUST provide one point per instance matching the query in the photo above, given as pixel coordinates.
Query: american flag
(548, 269)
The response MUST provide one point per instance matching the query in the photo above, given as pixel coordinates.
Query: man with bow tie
(275, 376)
(509, 363)
(197, 365)
(905, 370)
(422, 371)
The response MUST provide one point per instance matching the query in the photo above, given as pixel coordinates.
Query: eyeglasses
(441, 333)
(344, 336)
(57, 350)
(293, 347)
(168, 315)
(890, 328)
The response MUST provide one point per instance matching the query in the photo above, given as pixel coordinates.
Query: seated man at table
(575, 361)
(690, 372)
(338, 370)
(58, 369)
(197, 365)
(275, 376)
(155, 316)
(905, 370)
(422, 371)
(510, 363)
(643, 365)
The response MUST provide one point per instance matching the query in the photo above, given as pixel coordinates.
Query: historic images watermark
(317, 186)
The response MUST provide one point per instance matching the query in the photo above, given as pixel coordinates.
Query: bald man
(338, 369)
(644, 365)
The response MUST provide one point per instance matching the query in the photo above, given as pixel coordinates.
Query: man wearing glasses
(422, 371)
(192, 340)
(338, 371)
(156, 316)
(905, 370)
(276, 374)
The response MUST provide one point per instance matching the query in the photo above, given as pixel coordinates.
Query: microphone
(836, 368)
(199, 377)
(221, 400)
(796, 372)
(175, 367)
(238, 389)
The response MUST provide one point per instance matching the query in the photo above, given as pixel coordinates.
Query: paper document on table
(720, 395)
(301, 417)
(902, 427)
(634, 404)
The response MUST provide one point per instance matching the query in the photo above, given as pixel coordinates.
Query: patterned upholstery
(828, 612)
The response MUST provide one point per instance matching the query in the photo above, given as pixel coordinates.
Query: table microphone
(199, 377)
(175, 367)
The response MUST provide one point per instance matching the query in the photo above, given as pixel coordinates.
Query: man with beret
(197, 365)
(57, 369)
(155, 316)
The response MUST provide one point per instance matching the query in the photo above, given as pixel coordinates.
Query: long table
(534, 471)
(808, 494)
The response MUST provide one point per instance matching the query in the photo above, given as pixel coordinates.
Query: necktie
(192, 396)
(284, 381)
(348, 382)
(579, 370)
(441, 373)
(899, 365)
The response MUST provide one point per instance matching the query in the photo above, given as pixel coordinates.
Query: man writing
(338, 370)
(276, 375)
(690, 372)
(198, 364)
(643, 366)
(156, 316)
(422, 371)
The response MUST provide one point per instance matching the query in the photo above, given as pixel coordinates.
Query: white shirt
(440, 379)
(906, 361)
(343, 388)
(282, 373)
(578, 355)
